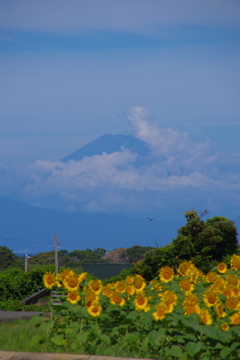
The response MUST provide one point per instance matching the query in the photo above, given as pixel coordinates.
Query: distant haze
(118, 108)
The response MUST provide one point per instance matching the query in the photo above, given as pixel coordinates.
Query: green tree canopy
(8, 258)
(204, 242)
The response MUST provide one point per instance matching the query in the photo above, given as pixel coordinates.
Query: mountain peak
(109, 143)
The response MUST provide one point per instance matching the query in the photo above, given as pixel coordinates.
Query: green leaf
(36, 339)
(35, 319)
(236, 329)
(151, 337)
(106, 339)
(132, 315)
(130, 338)
(76, 309)
(210, 331)
(74, 324)
(57, 340)
(106, 317)
(85, 313)
(235, 345)
(179, 339)
(46, 325)
(126, 321)
(73, 346)
(227, 351)
(160, 334)
(68, 331)
(193, 348)
(175, 351)
(82, 337)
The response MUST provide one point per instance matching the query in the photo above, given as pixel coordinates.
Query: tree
(204, 243)
(8, 258)
(135, 253)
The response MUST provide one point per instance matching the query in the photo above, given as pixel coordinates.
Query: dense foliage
(205, 243)
(9, 259)
(16, 284)
(135, 253)
(73, 259)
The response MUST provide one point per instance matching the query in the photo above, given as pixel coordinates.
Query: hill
(30, 229)
(109, 144)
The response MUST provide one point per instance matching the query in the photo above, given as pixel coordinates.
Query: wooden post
(56, 253)
(26, 263)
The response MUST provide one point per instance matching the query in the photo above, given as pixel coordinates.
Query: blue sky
(70, 72)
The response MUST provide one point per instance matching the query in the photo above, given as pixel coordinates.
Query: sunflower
(170, 307)
(169, 297)
(186, 285)
(225, 326)
(232, 280)
(95, 285)
(108, 290)
(191, 309)
(191, 299)
(194, 274)
(58, 280)
(233, 303)
(140, 301)
(152, 281)
(222, 267)
(235, 262)
(130, 290)
(94, 310)
(90, 298)
(129, 279)
(66, 274)
(117, 300)
(147, 308)
(211, 276)
(82, 276)
(156, 286)
(219, 285)
(205, 317)
(73, 297)
(119, 286)
(166, 274)
(72, 282)
(235, 318)
(219, 310)
(139, 283)
(49, 280)
(161, 312)
(210, 297)
(183, 267)
(231, 291)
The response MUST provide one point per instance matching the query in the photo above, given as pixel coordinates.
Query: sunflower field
(180, 314)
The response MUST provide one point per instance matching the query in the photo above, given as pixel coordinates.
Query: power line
(68, 241)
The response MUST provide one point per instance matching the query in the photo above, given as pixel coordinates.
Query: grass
(17, 336)
(13, 336)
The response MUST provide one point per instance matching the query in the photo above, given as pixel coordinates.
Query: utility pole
(26, 262)
(56, 253)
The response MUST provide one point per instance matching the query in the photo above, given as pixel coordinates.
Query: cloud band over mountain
(176, 173)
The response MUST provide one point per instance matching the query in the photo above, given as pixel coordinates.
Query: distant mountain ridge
(30, 229)
(109, 144)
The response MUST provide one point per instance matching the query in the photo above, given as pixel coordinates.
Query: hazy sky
(71, 70)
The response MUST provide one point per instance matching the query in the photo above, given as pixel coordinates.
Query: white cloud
(172, 144)
(178, 169)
